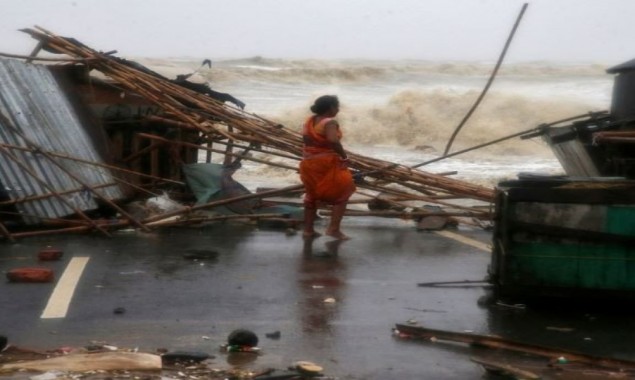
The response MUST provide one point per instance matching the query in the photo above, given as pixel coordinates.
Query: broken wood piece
(6, 233)
(102, 361)
(166, 141)
(505, 369)
(203, 219)
(507, 344)
(221, 202)
(445, 174)
(94, 163)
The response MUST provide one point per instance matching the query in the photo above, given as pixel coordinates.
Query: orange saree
(322, 171)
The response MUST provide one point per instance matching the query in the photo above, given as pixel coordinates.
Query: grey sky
(557, 30)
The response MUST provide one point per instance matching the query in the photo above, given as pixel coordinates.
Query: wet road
(267, 281)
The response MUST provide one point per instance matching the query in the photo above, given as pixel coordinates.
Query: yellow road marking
(62, 295)
(465, 240)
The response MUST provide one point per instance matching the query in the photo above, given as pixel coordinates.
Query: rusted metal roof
(34, 105)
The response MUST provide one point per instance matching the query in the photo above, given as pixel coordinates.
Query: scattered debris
(50, 254)
(103, 361)
(411, 332)
(30, 275)
(560, 329)
(184, 357)
(274, 335)
(242, 337)
(154, 130)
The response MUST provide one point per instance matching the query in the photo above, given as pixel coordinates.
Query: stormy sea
(405, 111)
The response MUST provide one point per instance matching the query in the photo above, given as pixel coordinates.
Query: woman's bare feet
(337, 234)
(311, 234)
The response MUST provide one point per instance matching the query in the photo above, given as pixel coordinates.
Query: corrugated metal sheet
(34, 103)
(571, 153)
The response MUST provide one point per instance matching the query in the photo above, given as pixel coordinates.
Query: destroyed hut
(76, 148)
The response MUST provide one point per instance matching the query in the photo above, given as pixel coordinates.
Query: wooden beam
(507, 344)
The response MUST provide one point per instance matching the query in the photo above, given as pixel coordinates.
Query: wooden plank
(507, 344)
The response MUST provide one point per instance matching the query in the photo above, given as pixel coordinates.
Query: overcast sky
(557, 30)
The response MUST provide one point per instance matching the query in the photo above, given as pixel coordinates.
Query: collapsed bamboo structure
(217, 123)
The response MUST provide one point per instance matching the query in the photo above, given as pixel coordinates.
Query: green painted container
(564, 238)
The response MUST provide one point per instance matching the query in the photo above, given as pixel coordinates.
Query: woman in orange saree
(323, 169)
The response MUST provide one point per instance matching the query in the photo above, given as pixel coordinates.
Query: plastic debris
(50, 375)
(163, 204)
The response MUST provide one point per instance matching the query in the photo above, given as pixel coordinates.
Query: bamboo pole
(140, 153)
(6, 233)
(522, 134)
(66, 230)
(213, 219)
(496, 342)
(45, 184)
(94, 163)
(70, 174)
(44, 196)
(489, 82)
(166, 141)
(215, 119)
(174, 123)
(421, 198)
(51, 232)
(282, 155)
(221, 202)
(58, 220)
(30, 58)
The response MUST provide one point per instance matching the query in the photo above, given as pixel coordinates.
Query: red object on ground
(49, 254)
(30, 275)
